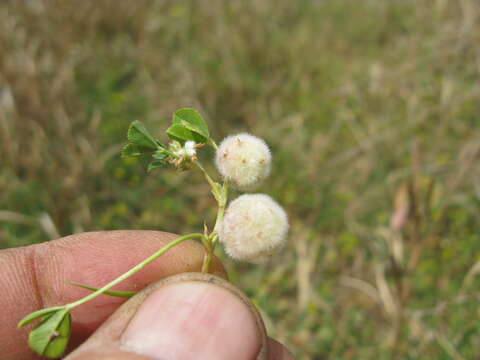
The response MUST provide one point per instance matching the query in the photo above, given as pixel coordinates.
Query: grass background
(372, 112)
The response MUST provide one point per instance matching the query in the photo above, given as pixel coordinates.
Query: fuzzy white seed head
(254, 228)
(243, 159)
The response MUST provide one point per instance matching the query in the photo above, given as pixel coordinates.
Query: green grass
(370, 107)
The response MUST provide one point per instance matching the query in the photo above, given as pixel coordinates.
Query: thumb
(186, 316)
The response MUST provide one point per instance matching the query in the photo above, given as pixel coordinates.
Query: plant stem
(214, 144)
(208, 258)
(207, 262)
(220, 192)
(133, 270)
(212, 183)
(222, 203)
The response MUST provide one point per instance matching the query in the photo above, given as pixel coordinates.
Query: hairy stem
(222, 203)
(133, 270)
(220, 192)
(210, 181)
(208, 258)
(207, 262)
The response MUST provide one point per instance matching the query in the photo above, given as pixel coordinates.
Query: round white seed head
(254, 228)
(243, 159)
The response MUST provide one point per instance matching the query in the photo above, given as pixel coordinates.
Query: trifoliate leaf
(154, 165)
(59, 344)
(139, 135)
(132, 150)
(38, 314)
(192, 120)
(50, 337)
(182, 134)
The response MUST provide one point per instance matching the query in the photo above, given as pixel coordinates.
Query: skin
(34, 277)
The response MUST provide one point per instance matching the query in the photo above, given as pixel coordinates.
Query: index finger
(35, 277)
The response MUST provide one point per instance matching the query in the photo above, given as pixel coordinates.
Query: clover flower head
(184, 155)
(243, 159)
(254, 228)
(188, 149)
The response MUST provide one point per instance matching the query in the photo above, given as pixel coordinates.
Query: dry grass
(371, 109)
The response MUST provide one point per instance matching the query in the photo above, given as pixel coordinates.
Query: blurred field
(371, 108)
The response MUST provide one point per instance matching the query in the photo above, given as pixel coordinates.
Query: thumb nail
(188, 318)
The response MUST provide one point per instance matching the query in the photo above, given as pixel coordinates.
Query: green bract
(120, 294)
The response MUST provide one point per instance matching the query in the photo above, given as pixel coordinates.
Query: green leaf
(192, 120)
(121, 294)
(58, 345)
(139, 135)
(154, 165)
(182, 134)
(159, 155)
(132, 150)
(160, 144)
(50, 337)
(38, 314)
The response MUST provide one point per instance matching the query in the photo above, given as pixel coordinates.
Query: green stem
(214, 144)
(220, 192)
(208, 258)
(222, 203)
(133, 270)
(207, 262)
(212, 183)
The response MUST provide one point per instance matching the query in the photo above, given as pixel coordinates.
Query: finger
(34, 277)
(277, 351)
(187, 316)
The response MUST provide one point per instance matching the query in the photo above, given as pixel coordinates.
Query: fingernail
(193, 320)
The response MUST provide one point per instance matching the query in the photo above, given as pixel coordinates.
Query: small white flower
(243, 159)
(189, 148)
(254, 227)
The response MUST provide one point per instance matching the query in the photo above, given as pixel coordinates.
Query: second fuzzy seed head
(243, 159)
(254, 228)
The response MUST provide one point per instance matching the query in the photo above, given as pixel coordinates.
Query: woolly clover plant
(251, 228)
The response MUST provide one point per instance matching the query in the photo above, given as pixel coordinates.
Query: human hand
(178, 319)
